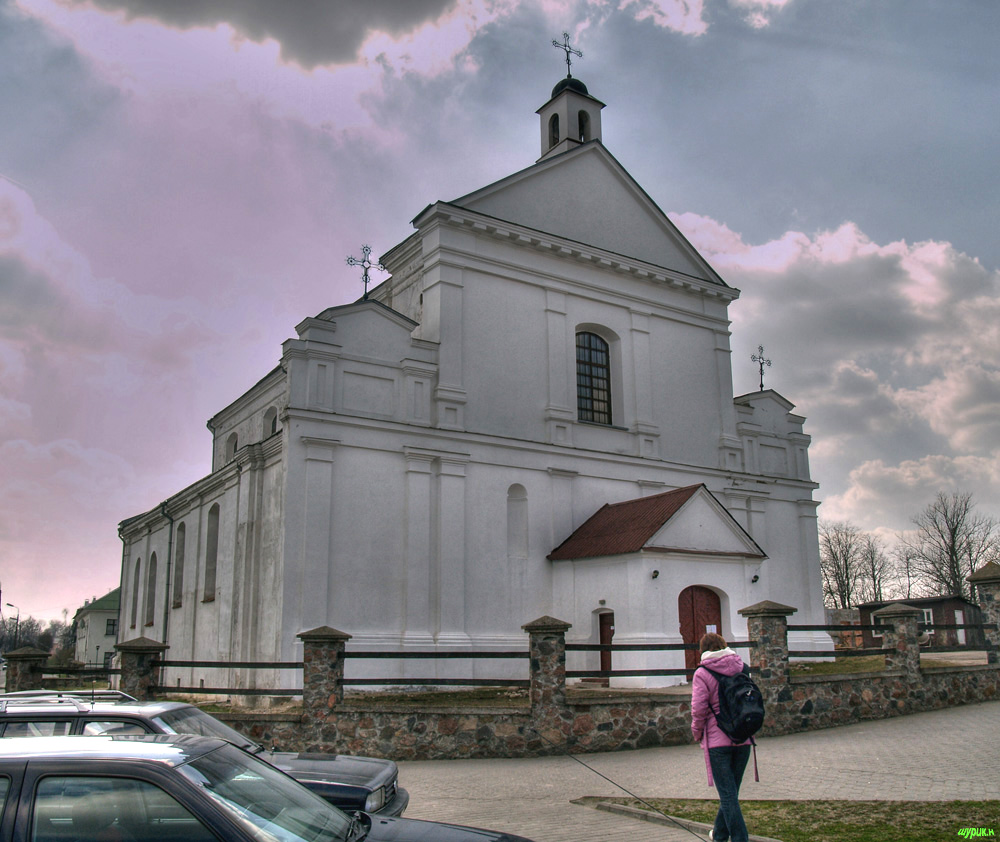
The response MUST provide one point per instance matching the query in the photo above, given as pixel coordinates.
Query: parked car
(179, 788)
(351, 783)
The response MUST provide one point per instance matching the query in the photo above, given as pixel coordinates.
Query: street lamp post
(17, 622)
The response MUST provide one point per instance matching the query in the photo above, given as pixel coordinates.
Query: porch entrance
(700, 612)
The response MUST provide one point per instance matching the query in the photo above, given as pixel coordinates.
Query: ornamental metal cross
(759, 359)
(366, 264)
(565, 46)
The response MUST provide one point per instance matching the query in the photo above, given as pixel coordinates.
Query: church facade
(534, 415)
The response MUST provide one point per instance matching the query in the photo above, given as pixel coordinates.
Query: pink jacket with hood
(705, 700)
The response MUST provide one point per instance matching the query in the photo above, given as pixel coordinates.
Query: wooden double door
(700, 612)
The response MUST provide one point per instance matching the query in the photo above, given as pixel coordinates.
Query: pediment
(369, 328)
(585, 195)
(703, 526)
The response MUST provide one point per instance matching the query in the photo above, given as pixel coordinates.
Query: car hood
(336, 768)
(414, 830)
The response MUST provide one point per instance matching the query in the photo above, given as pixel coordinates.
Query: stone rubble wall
(557, 718)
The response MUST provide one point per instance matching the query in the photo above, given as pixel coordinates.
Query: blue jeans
(728, 764)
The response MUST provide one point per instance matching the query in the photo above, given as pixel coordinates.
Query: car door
(10, 787)
(63, 804)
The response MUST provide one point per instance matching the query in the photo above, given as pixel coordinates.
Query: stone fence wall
(558, 718)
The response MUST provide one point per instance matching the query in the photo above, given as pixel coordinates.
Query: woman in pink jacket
(726, 760)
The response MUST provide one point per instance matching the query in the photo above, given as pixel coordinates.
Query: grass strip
(845, 821)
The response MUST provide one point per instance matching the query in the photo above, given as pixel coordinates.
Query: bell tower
(571, 116)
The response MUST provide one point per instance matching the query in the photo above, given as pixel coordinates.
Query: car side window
(112, 727)
(4, 786)
(38, 728)
(100, 809)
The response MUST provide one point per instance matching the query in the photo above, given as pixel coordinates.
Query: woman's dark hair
(712, 642)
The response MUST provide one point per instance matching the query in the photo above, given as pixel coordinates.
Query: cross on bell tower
(761, 361)
(365, 263)
(565, 46)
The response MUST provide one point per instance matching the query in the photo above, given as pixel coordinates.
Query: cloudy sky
(180, 183)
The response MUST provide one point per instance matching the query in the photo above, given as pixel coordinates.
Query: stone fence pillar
(987, 582)
(140, 676)
(899, 640)
(322, 672)
(24, 669)
(767, 626)
(547, 650)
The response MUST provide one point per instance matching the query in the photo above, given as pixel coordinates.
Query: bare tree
(951, 542)
(840, 545)
(874, 569)
(908, 582)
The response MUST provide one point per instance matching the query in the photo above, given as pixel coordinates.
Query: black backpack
(741, 705)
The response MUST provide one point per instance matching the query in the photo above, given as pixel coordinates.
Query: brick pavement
(941, 755)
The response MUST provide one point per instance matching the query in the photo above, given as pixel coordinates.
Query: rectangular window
(38, 728)
(96, 808)
(111, 629)
(928, 619)
(113, 727)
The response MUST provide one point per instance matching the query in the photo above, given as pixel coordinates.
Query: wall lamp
(755, 579)
(656, 574)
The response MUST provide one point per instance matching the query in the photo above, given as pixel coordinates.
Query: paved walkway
(943, 755)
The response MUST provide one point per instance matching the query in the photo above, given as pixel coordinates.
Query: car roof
(167, 749)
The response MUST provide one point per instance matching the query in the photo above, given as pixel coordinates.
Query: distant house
(97, 629)
(846, 617)
(938, 610)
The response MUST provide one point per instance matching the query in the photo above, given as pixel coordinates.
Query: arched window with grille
(593, 378)
(270, 422)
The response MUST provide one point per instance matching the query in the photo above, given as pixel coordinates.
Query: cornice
(453, 216)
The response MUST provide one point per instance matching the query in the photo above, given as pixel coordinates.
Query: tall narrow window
(179, 565)
(553, 130)
(231, 445)
(584, 126)
(135, 592)
(593, 379)
(211, 553)
(150, 611)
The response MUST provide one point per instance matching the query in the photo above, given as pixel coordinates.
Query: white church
(534, 415)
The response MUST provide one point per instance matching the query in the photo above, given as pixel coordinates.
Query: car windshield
(270, 805)
(196, 721)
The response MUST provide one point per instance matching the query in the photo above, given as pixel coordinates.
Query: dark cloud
(310, 32)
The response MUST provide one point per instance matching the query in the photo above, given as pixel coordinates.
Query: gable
(585, 195)
(701, 528)
(368, 328)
